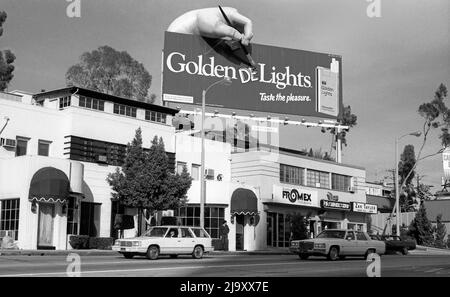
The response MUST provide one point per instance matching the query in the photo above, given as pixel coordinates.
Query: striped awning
(49, 185)
(244, 202)
(48, 200)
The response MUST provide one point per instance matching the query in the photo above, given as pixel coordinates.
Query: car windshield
(332, 234)
(156, 232)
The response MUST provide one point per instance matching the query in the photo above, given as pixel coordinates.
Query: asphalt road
(224, 266)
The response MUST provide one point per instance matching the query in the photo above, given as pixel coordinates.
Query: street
(224, 266)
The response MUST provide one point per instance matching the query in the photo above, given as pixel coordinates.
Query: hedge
(80, 242)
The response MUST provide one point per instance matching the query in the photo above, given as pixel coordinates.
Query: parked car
(166, 240)
(396, 243)
(337, 244)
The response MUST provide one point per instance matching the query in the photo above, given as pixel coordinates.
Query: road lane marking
(154, 268)
(433, 270)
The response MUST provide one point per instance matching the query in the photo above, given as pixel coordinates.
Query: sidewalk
(424, 250)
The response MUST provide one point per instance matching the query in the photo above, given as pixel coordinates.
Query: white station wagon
(166, 240)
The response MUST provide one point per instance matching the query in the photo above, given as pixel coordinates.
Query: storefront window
(72, 216)
(278, 230)
(190, 216)
(318, 179)
(330, 225)
(356, 227)
(9, 216)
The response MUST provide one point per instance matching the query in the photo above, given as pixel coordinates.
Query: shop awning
(49, 185)
(244, 202)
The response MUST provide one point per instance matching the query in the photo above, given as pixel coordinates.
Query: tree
(436, 116)
(145, 182)
(441, 232)
(318, 154)
(7, 58)
(406, 174)
(348, 119)
(112, 72)
(299, 228)
(421, 228)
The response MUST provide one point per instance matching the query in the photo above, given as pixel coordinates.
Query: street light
(225, 81)
(397, 196)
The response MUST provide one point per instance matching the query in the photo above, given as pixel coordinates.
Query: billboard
(285, 81)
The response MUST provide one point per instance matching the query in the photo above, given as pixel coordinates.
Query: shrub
(441, 233)
(101, 243)
(421, 228)
(79, 242)
(298, 227)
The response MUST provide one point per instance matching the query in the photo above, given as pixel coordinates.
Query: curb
(56, 253)
(110, 252)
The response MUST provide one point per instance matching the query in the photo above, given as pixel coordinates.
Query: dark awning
(49, 185)
(244, 201)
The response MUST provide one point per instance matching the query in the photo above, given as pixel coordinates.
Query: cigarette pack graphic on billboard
(327, 90)
(282, 81)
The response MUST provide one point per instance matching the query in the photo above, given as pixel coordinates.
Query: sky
(391, 63)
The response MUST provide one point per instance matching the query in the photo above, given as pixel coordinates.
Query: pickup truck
(396, 243)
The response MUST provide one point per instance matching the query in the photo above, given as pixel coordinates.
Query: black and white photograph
(215, 147)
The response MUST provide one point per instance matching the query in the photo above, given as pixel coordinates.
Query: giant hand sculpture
(210, 22)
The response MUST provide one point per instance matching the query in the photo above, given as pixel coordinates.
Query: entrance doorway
(45, 230)
(240, 232)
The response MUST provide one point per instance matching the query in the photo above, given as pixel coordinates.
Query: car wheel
(369, 251)
(198, 252)
(405, 251)
(303, 256)
(173, 256)
(128, 255)
(333, 254)
(153, 252)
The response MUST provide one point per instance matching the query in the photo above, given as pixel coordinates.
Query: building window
(72, 216)
(318, 179)
(180, 166)
(340, 182)
(64, 102)
(195, 171)
(91, 103)
(190, 216)
(21, 146)
(43, 148)
(9, 216)
(291, 175)
(88, 150)
(125, 110)
(155, 116)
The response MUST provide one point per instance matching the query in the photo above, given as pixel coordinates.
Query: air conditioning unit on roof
(7, 142)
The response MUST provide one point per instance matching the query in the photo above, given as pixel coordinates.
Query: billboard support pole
(226, 81)
(202, 170)
(338, 147)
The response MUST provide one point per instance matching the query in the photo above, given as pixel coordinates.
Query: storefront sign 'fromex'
(285, 81)
(295, 196)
